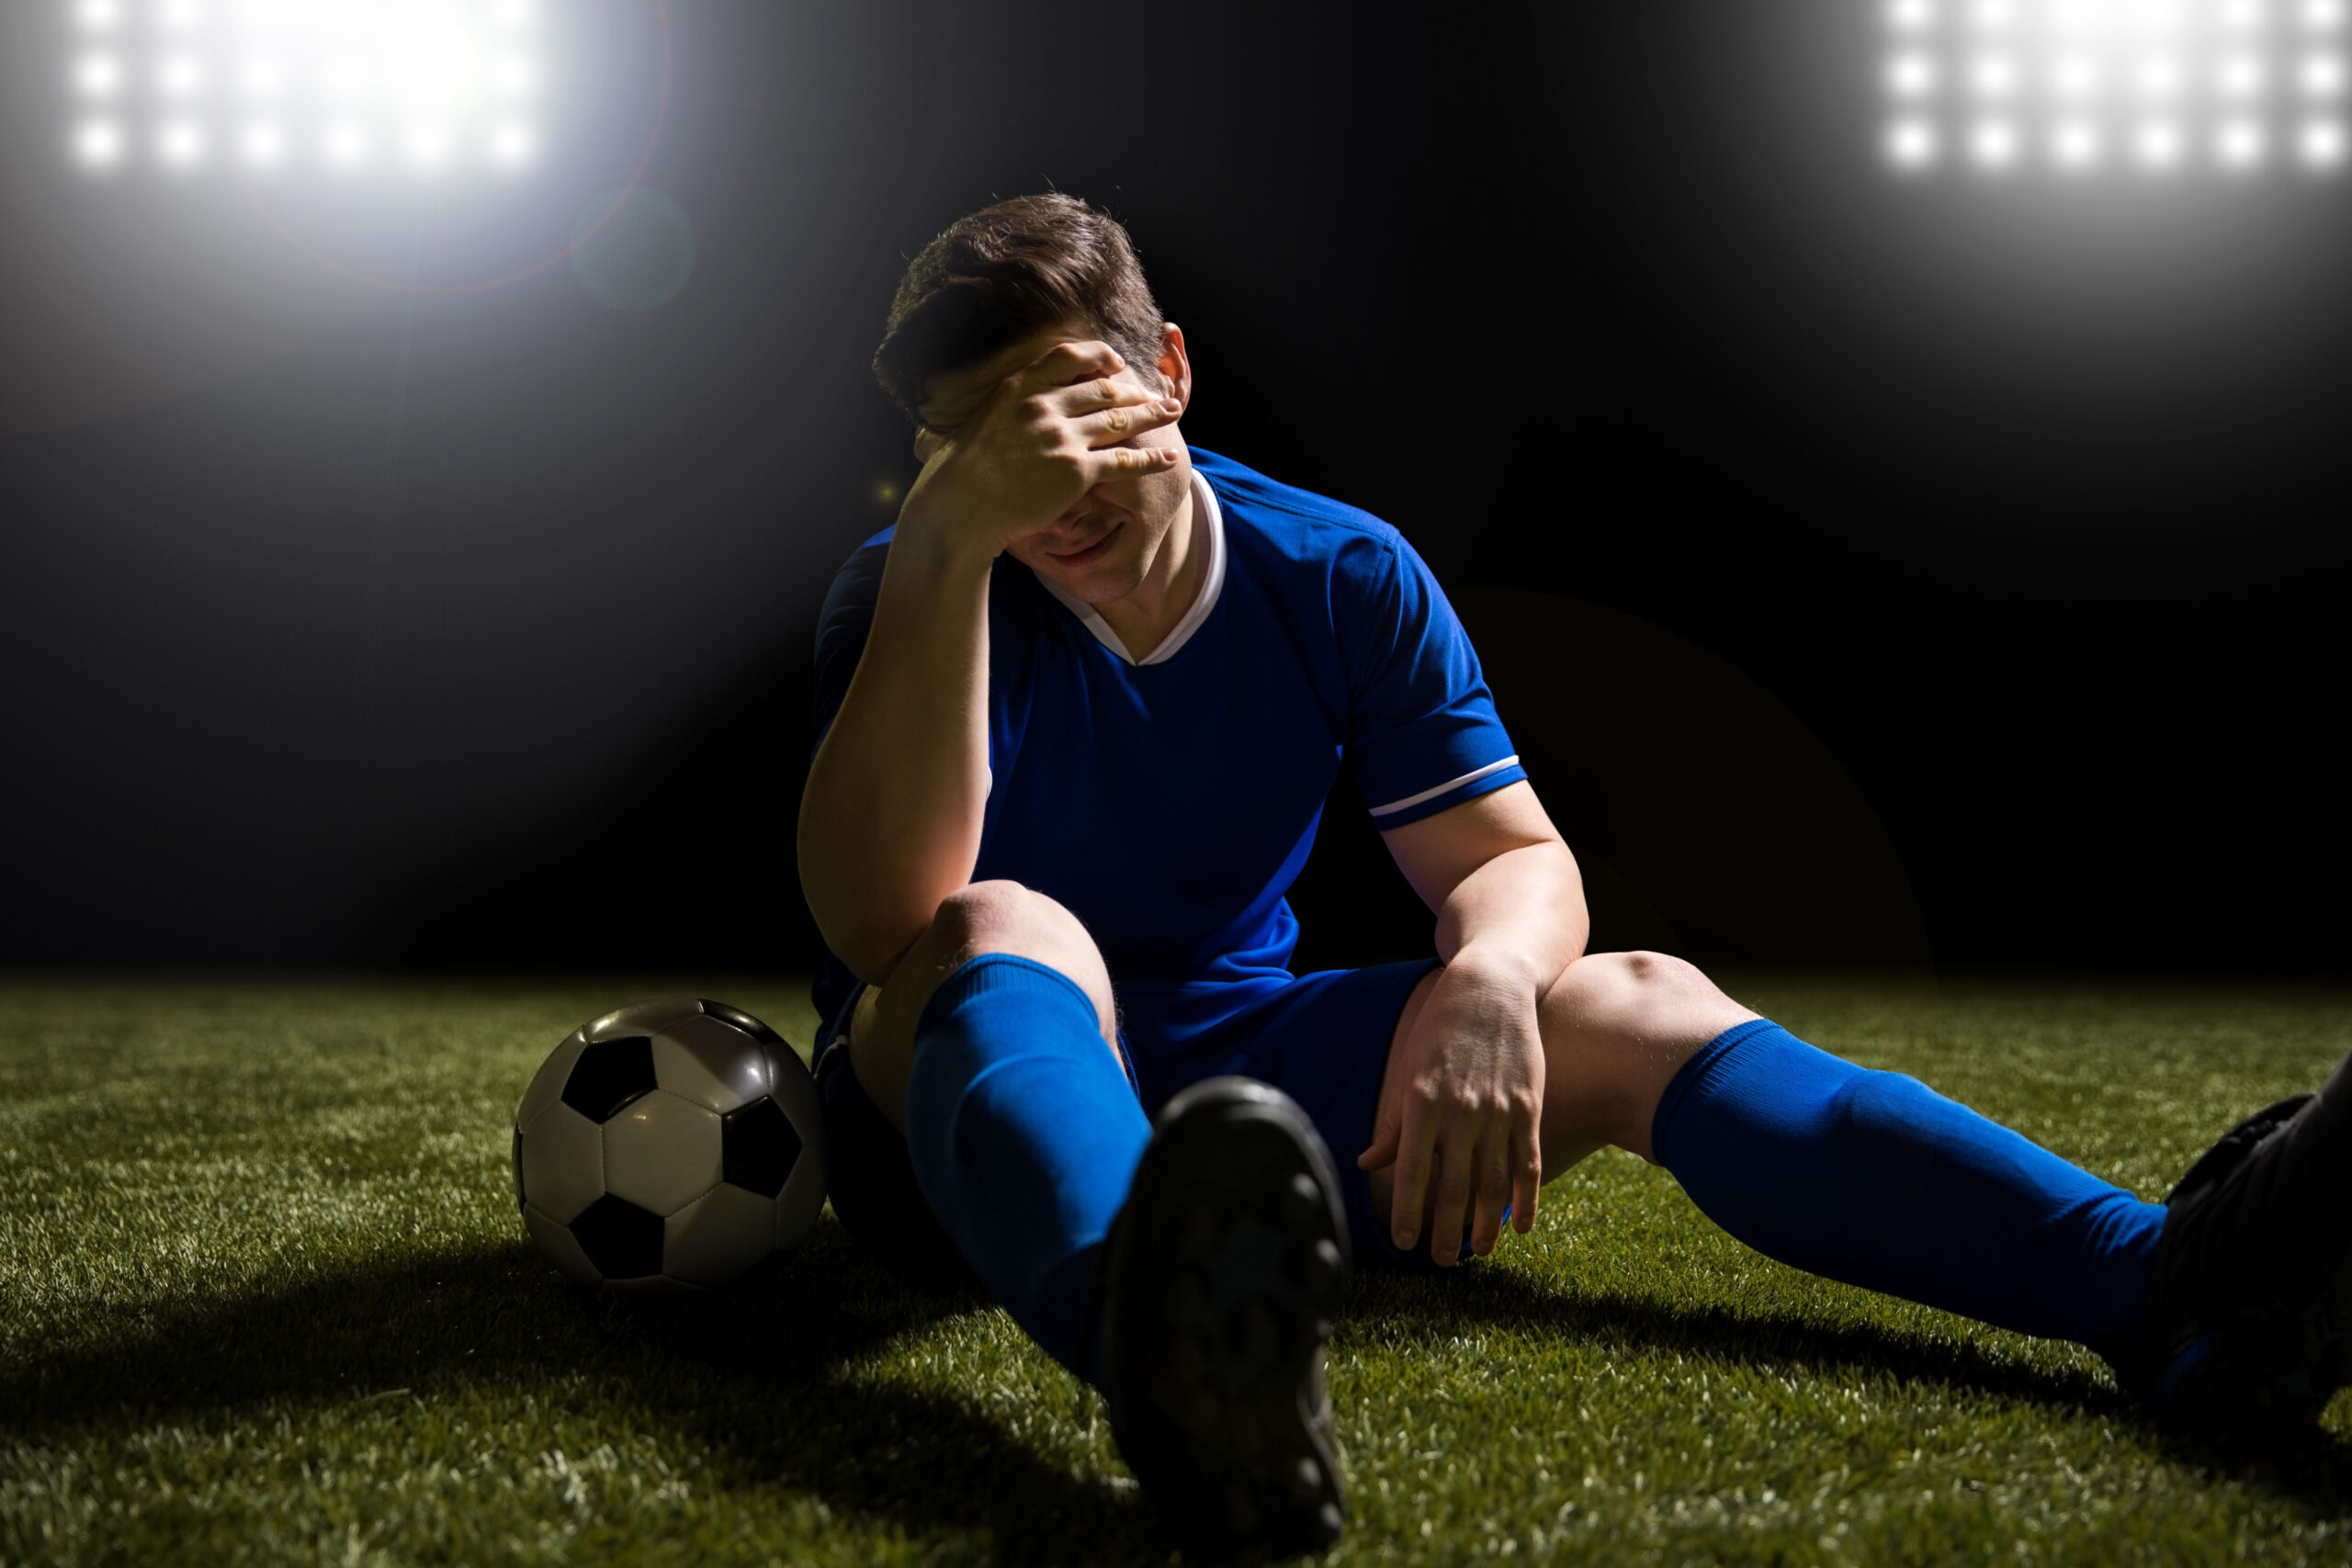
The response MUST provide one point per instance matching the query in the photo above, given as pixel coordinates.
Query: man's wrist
(1501, 964)
(942, 544)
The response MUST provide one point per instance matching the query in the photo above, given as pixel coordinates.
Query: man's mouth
(1089, 554)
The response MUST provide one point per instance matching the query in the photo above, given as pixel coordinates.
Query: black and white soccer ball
(669, 1144)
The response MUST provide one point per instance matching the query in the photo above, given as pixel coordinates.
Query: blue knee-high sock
(1875, 1180)
(1024, 1136)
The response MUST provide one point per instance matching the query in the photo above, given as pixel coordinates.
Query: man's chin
(1100, 573)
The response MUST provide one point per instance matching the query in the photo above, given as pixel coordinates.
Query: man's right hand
(1045, 437)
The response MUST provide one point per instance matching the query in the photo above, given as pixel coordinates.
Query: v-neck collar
(1213, 583)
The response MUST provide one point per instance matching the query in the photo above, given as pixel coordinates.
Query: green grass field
(263, 1297)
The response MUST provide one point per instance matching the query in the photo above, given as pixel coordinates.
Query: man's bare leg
(1616, 1028)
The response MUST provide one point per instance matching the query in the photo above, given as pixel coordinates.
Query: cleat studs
(1306, 1475)
(1316, 1267)
(1300, 1198)
(1327, 1515)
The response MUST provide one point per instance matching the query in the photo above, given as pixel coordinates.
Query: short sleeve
(842, 628)
(1422, 729)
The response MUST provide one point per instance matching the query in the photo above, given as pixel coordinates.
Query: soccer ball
(669, 1144)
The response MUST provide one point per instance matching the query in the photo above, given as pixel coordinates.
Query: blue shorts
(1321, 1038)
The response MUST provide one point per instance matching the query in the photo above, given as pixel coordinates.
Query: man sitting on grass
(1077, 713)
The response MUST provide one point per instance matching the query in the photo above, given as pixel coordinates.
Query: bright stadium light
(440, 86)
(2075, 144)
(181, 143)
(2218, 87)
(98, 75)
(263, 144)
(1994, 75)
(1911, 145)
(2241, 145)
(180, 77)
(1994, 145)
(512, 144)
(99, 143)
(2157, 145)
(425, 146)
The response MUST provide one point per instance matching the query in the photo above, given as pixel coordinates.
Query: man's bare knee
(1617, 1027)
(1005, 917)
(979, 919)
(1638, 993)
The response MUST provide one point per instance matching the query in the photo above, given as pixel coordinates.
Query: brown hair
(1005, 273)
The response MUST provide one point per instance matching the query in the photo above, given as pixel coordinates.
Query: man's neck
(1144, 618)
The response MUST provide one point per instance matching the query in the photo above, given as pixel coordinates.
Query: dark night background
(1870, 572)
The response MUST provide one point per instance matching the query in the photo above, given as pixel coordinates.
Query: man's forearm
(1520, 914)
(890, 820)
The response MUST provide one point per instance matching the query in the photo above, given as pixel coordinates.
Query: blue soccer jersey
(1170, 804)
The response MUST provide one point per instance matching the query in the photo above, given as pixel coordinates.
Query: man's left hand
(1461, 1116)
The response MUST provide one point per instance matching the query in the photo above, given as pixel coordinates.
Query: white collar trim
(1206, 510)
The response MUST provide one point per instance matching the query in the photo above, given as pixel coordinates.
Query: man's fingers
(1067, 362)
(1493, 1164)
(1130, 460)
(1450, 1211)
(1412, 1181)
(1526, 1179)
(1384, 1146)
(1098, 392)
(1128, 421)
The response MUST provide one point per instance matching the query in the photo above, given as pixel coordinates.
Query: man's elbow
(872, 948)
(868, 934)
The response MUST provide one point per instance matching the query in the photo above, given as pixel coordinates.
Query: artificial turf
(264, 1296)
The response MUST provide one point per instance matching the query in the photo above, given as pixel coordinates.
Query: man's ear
(1175, 365)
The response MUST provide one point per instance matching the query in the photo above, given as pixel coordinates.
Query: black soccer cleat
(1220, 1278)
(2250, 1315)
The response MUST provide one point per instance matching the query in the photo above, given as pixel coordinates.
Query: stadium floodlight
(181, 143)
(2072, 87)
(439, 86)
(262, 144)
(2241, 144)
(1993, 144)
(345, 145)
(98, 75)
(2077, 144)
(1911, 143)
(99, 143)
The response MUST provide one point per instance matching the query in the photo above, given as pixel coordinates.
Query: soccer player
(1078, 712)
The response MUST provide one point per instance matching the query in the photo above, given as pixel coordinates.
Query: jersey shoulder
(1297, 522)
